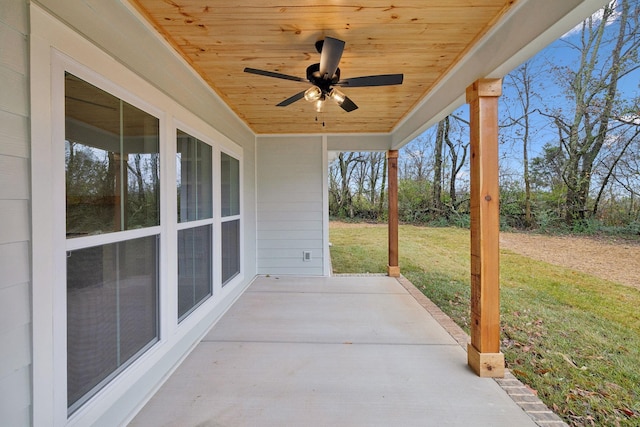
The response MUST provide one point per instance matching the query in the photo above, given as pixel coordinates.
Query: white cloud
(632, 119)
(597, 17)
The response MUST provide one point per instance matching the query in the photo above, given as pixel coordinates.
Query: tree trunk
(345, 192)
(382, 187)
(437, 167)
(456, 165)
(525, 99)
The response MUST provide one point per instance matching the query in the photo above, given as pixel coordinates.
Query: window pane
(111, 162)
(112, 312)
(230, 178)
(230, 250)
(194, 267)
(194, 178)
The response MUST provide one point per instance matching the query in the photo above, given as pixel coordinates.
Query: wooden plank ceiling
(422, 39)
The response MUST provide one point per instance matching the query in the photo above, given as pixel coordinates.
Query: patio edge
(522, 395)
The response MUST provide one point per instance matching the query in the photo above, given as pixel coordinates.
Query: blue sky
(549, 96)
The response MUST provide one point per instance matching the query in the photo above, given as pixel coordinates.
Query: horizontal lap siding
(15, 283)
(290, 216)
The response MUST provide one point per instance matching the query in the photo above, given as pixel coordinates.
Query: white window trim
(240, 276)
(55, 48)
(60, 65)
(205, 305)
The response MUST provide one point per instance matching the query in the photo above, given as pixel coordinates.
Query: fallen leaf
(628, 412)
(566, 358)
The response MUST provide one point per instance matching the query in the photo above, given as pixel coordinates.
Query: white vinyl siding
(15, 233)
(290, 209)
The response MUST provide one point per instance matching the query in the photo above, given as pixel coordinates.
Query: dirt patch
(618, 261)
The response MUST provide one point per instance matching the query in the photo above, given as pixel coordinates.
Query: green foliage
(439, 221)
(587, 226)
(461, 220)
(414, 201)
(512, 207)
(546, 169)
(632, 228)
(548, 221)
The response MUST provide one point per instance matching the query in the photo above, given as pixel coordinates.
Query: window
(230, 210)
(111, 311)
(230, 250)
(195, 215)
(230, 178)
(111, 162)
(112, 178)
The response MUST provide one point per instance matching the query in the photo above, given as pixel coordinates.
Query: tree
(437, 165)
(375, 161)
(341, 175)
(547, 169)
(617, 150)
(522, 80)
(457, 149)
(592, 88)
(415, 159)
(546, 175)
(382, 187)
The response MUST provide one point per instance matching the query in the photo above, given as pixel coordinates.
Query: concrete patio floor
(337, 351)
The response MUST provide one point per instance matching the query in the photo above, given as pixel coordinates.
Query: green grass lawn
(572, 337)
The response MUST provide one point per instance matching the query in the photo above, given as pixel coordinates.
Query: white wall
(15, 236)
(290, 205)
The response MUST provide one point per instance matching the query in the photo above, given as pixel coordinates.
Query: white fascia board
(525, 30)
(342, 142)
(359, 142)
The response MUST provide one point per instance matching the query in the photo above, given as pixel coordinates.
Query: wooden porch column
(484, 354)
(393, 269)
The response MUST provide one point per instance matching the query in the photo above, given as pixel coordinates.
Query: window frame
(238, 217)
(61, 67)
(188, 224)
(51, 58)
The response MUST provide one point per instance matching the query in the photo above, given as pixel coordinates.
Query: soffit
(423, 40)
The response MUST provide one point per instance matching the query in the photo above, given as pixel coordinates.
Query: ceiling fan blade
(330, 56)
(348, 105)
(298, 96)
(379, 80)
(273, 74)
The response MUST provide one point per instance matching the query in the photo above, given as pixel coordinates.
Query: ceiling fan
(325, 75)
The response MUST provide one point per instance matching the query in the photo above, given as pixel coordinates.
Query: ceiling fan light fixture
(313, 94)
(319, 104)
(337, 96)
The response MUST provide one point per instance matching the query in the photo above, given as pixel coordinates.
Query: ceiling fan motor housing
(314, 76)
